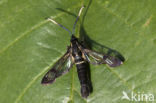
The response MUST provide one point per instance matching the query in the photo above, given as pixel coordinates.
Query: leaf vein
(118, 16)
(32, 81)
(21, 36)
(122, 80)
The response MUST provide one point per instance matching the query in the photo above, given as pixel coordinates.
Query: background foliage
(30, 45)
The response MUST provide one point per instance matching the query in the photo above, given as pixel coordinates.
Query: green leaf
(30, 45)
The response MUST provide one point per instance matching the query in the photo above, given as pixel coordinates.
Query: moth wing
(61, 67)
(99, 58)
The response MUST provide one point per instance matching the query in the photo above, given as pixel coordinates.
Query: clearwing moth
(79, 55)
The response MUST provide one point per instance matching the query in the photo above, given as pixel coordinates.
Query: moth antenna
(73, 31)
(53, 21)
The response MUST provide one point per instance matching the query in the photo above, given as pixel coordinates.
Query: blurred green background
(30, 45)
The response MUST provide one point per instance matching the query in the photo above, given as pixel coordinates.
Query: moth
(79, 55)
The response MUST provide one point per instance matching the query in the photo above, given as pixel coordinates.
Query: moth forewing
(61, 67)
(112, 61)
(92, 57)
(99, 58)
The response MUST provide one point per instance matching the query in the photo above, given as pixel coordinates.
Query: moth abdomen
(83, 77)
(85, 91)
